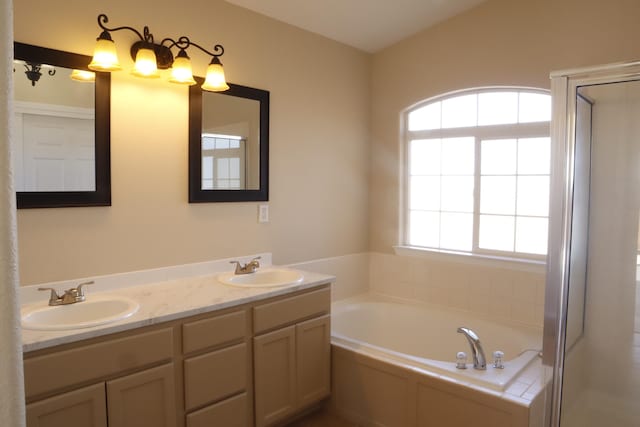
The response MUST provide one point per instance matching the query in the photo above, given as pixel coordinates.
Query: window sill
(519, 264)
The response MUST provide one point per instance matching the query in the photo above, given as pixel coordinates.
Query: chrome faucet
(70, 296)
(248, 268)
(479, 359)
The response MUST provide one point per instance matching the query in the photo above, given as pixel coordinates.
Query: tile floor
(321, 418)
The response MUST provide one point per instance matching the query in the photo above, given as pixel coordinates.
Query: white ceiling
(369, 25)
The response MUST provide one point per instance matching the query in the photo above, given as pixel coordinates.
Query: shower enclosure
(592, 312)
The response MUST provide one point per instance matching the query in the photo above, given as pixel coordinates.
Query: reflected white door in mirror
(55, 149)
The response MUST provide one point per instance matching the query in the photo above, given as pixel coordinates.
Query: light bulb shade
(146, 65)
(215, 81)
(181, 71)
(83, 76)
(105, 57)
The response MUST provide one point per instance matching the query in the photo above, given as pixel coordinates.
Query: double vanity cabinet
(256, 364)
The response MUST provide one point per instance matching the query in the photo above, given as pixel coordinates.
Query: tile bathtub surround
(505, 294)
(351, 272)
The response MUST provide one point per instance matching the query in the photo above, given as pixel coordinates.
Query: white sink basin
(96, 310)
(268, 277)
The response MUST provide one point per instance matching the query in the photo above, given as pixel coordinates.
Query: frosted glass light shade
(215, 81)
(105, 57)
(83, 76)
(181, 71)
(146, 65)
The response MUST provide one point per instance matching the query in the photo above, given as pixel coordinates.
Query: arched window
(477, 170)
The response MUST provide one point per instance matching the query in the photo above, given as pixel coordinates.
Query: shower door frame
(564, 92)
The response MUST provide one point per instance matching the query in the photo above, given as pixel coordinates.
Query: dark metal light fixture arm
(103, 19)
(216, 48)
(184, 43)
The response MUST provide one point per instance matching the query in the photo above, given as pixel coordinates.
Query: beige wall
(319, 146)
(501, 42)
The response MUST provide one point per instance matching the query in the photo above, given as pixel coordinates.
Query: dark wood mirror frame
(196, 193)
(102, 194)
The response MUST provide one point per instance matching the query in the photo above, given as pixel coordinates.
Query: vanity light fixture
(151, 57)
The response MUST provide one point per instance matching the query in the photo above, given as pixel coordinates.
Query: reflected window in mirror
(228, 145)
(61, 130)
(223, 162)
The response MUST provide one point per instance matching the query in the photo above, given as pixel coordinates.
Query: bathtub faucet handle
(461, 360)
(497, 359)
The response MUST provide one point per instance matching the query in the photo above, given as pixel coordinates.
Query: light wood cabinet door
(275, 375)
(85, 407)
(143, 399)
(313, 360)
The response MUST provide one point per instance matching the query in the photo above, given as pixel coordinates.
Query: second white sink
(268, 277)
(96, 310)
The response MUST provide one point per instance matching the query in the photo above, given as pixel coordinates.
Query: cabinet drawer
(232, 412)
(214, 376)
(217, 330)
(290, 310)
(65, 368)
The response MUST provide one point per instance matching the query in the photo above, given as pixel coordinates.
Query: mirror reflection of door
(57, 153)
(54, 130)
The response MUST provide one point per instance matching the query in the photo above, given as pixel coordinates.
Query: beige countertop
(168, 300)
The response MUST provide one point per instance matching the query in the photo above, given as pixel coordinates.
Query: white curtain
(11, 380)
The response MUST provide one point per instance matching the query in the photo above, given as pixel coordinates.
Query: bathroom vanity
(257, 360)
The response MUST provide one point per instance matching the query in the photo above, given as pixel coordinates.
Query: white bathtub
(425, 338)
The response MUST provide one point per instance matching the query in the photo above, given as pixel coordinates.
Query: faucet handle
(79, 289)
(238, 266)
(54, 294)
(497, 359)
(461, 360)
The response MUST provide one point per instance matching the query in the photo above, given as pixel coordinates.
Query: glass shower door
(598, 347)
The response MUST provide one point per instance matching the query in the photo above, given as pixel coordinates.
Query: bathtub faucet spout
(479, 359)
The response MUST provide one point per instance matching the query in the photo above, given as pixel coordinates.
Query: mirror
(228, 144)
(61, 129)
